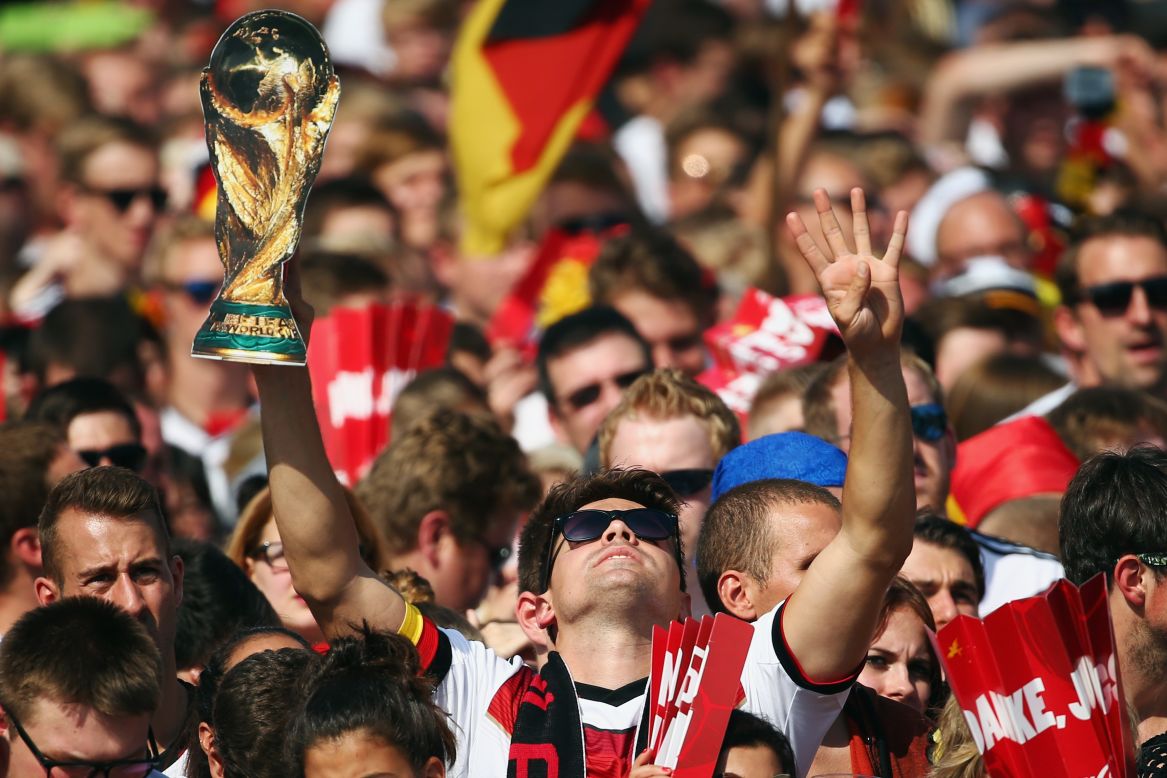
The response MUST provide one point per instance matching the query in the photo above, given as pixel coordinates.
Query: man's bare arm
(316, 527)
(830, 620)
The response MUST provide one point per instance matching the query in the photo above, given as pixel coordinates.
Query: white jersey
(481, 693)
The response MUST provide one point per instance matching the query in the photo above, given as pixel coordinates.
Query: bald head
(980, 225)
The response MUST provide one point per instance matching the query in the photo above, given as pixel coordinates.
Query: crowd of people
(977, 189)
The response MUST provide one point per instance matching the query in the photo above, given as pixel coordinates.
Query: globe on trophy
(269, 97)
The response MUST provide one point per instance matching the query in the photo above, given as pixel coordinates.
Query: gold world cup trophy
(269, 96)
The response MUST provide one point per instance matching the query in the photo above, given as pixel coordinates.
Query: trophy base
(247, 332)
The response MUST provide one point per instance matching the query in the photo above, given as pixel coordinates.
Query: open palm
(862, 292)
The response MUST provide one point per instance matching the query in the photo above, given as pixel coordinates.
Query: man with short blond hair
(674, 426)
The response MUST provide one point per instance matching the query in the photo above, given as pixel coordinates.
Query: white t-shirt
(1013, 571)
(475, 693)
(178, 769)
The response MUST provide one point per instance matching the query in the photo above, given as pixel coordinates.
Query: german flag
(525, 74)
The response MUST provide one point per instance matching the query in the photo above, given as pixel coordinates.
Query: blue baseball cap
(794, 455)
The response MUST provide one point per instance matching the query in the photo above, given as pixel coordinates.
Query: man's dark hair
(112, 492)
(466, 337)
(1091, 420)
(736, 532)
(27, 450)
(745, 730)
(328, 277)
(218, 600)
(653, 262)
(578, 330)
(80, 651)
(940, 531)
(439, 387)
(675, 31)
(373, 683)
(98, 336)
(63, 402)
(635, 485)
(1122, 223)
(1115, 505)
(254, 705)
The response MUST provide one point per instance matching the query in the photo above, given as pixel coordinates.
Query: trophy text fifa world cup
(269, 96)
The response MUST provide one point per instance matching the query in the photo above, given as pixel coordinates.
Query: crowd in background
(1025, 144)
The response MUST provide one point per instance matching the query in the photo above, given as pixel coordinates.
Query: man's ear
(535, 614)
(26, 548)
(1128, 581)
(433, 768)
(46, 591)
(177, 571)
(1069, 329)
(735, 593)
(433, 531)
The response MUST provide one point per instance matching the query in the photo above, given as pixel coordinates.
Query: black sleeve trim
(790, 664)
(439, 667)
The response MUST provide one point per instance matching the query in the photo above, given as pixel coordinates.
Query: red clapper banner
(1039, 686)
(360, 359)
(695, 683)
(766, 334)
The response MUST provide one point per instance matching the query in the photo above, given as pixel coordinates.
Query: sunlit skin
(361, 754)
(599, 362)
(1130, 348)
(67, 732)
(276, 585)
(979, 226)
(900, 663)
(946, 579)
(663, 445)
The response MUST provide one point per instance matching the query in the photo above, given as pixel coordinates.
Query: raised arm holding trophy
(269, 97)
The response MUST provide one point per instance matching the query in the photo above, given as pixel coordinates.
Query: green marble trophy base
(245, 332)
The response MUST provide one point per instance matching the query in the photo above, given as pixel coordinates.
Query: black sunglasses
(122, 199)
(929, 422)
(589, 524)
(128, 455)
(687, 483)
(1114, 299)
(199, 292)
(139, 767)
(596, 224)
(586, 395)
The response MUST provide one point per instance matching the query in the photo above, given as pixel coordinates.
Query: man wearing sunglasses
(585, 363)
(1114, 522)
(207, 401)
(672, 425)
(610, 566)
(827, 408)
(1113, 320)
(79, 680)
(98, 421)
(111, 198)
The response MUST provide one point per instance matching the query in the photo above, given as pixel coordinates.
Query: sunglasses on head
(929, 422)
(686, 483)
(586, 395)
(589, 524)
(122, 199)
(1114, 299)
(128, 455)
(116, 768)
(199, 292)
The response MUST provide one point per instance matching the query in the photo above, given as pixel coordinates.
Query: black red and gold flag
(525, 75)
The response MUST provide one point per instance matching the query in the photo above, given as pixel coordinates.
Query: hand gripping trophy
(269, 96)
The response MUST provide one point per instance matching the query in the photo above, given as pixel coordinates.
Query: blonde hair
(669, 394)
(955, 754)
(257, 513)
